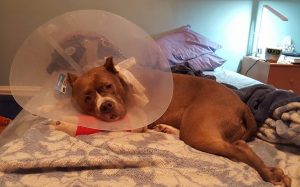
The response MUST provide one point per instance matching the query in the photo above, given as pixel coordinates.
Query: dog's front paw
(166, 129)
(277, 177)
(68, 128)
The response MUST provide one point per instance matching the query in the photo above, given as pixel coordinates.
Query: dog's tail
(250, 123)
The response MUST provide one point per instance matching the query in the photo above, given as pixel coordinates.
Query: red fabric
(85, 130)
(86, 119)
(3, 123)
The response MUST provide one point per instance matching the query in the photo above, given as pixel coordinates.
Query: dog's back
(204, 99)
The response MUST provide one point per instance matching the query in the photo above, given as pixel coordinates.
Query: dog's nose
(106, 106)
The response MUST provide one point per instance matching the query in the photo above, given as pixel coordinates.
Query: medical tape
(60, 50)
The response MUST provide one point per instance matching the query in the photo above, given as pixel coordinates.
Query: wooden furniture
(19, 90)
(283, 76)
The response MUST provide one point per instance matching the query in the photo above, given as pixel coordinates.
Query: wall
(224, 21)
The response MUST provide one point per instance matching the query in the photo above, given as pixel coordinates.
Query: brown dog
(210, 117)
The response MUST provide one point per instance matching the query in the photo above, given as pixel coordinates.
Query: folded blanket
(264, 99)
(284, 127)
(276, 112)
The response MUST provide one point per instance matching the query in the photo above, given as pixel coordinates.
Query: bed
(32, 153)
(41, 156)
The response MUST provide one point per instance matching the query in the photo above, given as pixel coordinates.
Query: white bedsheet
(232, 78)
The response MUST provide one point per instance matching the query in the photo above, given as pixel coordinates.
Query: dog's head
(101, 92)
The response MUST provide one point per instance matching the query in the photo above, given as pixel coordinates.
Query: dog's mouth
(110, 117)
(110, 111)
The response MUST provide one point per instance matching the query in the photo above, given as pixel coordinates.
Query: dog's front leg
(68, 128)
(166, 129)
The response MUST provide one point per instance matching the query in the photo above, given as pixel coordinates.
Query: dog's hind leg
(240, 151)
(250, 123)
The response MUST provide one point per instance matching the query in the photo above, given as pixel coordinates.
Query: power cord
(254, 65)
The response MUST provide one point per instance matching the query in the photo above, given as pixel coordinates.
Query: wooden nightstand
(283, 76)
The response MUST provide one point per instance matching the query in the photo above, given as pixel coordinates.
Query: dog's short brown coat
(213, 119)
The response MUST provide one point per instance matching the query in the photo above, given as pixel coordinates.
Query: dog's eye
(108, 86)
(104, 88)
(87, 98)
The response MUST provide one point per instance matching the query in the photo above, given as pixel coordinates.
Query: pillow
(185, 45)
(199, 39)
(206, 62)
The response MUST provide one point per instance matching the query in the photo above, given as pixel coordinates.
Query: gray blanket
(45, 157)
(276, 111)
(264, 99)
(283, 126)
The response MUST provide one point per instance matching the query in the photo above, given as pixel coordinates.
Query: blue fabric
(264, 99)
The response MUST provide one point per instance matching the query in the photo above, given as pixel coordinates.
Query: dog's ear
(109, 65)
(71, 78)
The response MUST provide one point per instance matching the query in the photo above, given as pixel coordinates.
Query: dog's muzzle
(106, 107)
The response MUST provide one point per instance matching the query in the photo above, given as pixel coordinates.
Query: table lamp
(271, 54)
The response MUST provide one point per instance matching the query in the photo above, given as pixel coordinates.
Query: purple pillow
(206, 62)
(184, 44)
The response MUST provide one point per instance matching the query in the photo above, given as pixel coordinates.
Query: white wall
(223, 21)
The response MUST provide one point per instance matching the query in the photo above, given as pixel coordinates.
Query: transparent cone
(77, 42)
